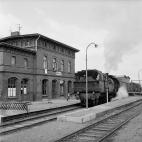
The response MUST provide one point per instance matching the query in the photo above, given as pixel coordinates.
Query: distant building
(34, 67)
(123, 79)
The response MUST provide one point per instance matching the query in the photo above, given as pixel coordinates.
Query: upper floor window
(62, 50)
(69, 66)
(13, 60)
(69, 52)
(62, 65)
(27, 43)
(45, 62)
(54, 47)
(54, 64)
(25, 62)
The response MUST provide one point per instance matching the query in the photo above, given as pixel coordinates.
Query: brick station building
(34, 67)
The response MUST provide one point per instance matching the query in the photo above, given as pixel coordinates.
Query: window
(69, 86)
(61, 87)
(62, 65)
(45, 62)
(13, 60)
(24, 86)
(62, 50)
(54, 47)
(69, 52)
(25, 62)
(21, 43)
(27, 43)
(54, 64)
(44, 87)
(12, 87)
(69, 66)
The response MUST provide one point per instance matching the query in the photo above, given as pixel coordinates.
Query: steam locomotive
(98, 85)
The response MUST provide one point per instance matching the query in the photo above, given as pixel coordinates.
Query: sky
(114, 25)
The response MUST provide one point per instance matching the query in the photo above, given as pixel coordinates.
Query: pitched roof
(3, 44)
(38, 35)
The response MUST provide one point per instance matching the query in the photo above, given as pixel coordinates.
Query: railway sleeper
(94, 133)
(100, 129)
(114, 121)
(82, 140)
(86, 138)
(106, 127)
(88, 135)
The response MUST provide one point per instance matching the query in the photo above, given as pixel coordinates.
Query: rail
(102, 129)
(33, 119)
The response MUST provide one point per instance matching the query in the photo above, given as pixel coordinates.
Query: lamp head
(96, 45)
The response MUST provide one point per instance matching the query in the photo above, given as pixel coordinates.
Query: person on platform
(68, 96)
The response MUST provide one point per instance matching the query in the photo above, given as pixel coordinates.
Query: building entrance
(54, 88)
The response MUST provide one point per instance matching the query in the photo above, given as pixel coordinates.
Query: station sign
(59, 73)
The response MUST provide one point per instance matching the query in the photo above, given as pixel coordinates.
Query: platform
(41, 105)
(84, 115)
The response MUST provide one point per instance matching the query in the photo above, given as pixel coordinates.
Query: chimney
(16, 33)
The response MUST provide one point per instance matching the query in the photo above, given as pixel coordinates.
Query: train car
(134, 89)
(98, 84)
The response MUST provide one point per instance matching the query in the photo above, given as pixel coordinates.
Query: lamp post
(107, 86)
(139, 77)
(92, 43)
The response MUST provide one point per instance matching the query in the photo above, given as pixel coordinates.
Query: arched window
(13, 60)
(25, 62)
(45, 62)
(12, 87)
(62, 87)
(69, 66)
(55, 66)
(62, 65)
(44, 87)
(54, 88)
(24, 86)
(69, 86)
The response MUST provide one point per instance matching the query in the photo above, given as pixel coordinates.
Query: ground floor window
(24, 86)
(44, 86)
(69, 86)
(54, 88)
(12, 87)
(61, 88)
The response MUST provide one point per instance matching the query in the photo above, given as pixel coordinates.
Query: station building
(123, 79)
(34, 67)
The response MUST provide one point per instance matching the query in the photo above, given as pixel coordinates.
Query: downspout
(35, 72)
(36, 42)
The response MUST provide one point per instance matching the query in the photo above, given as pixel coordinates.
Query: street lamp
(139, 76)
(92, 43)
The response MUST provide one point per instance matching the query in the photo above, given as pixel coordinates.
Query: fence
(14, 106)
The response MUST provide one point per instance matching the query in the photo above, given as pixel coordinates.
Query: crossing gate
(14, 106)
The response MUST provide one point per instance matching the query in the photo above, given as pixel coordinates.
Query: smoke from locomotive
(122, 93)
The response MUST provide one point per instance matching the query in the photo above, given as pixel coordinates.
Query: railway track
(100, 130)
(34, 119)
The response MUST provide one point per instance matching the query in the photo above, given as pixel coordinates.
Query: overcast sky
(115, 25)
